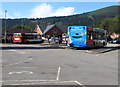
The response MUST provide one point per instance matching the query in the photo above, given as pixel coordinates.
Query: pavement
(108, 48)
(112, 45)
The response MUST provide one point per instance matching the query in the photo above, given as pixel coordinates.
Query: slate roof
(48, 28)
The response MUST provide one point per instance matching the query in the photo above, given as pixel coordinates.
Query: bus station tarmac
(108, 48)
(46, 64)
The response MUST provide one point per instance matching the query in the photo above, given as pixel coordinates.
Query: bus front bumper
(75, 45)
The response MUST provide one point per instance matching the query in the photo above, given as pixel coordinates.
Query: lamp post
(5, 24)
(22, 25)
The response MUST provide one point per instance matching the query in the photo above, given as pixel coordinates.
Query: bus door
(17, 37)
(90, 42)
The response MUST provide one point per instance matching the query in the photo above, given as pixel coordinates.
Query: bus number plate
(77, 45)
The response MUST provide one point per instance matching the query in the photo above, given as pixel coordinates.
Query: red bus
(27, 38)
(17, 37)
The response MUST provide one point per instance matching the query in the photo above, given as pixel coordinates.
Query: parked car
(115, 41)
(54, 40)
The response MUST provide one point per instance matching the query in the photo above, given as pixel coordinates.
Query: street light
(5, 24)
(22, 25)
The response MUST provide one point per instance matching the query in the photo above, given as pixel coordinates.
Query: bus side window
(99, 36)
(90, 35)
(103, 36)
(94, 35)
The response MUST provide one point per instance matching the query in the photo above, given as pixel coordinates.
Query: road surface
(43, 65)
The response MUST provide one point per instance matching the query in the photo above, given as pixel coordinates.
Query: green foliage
(106, 18)
(17, 27)
(110, 11)
(110, 24)
(59, 23)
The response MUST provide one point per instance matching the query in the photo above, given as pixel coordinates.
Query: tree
(110, 24)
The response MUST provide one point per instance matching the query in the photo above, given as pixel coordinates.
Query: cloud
(64, 11)
(43, 10)
(46, 10)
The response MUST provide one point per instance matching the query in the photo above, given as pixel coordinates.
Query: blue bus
(84, 36)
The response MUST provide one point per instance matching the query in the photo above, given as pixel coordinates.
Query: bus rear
(17, 38)
(77, 36)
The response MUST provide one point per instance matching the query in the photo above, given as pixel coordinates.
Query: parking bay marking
(27, 72)
(58, 74)
(37, 82)
(20, 51)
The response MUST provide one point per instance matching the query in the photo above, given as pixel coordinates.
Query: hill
(87, 19)
(107, 12)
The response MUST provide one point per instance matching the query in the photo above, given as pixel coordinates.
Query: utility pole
(22, 25)
(118, 3)
(5, 24)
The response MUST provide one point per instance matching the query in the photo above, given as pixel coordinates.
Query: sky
(49, 9)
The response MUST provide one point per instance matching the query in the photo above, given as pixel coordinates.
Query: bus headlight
(82, 33)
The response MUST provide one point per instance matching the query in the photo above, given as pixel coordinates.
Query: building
(52, 30)
(38, 30)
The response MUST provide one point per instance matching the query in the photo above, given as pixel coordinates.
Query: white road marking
(79, 83)
(11, 50)
(35, 82)
(98, 54)
(19, 62)
(28, 80)
(88, 51)
(20, 52)
(1, 81)
(58, 73)
(38, 83)
(37, 50)
(27, 72)
(27, 50)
